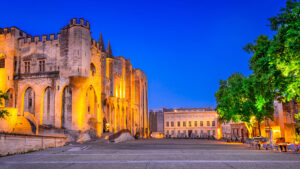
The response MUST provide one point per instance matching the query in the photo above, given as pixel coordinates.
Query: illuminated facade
(283, 124)
(70, 81)
(235, 131)
(194, 122)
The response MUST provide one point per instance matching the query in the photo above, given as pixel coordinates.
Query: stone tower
(75, 46)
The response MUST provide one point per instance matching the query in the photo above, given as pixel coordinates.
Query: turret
(109, 51)
(101, 43)
(75, 43)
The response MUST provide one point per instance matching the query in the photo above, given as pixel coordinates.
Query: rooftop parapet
(95, 44)
(80, 22)
(13, 30)
(39, 39)
(206, 109)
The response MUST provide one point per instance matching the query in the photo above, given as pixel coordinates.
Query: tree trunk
(259, 131)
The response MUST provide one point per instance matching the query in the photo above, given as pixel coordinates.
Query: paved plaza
(165, 153)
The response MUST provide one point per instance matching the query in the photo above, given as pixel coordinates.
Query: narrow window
(29, 102)
(195, 123)
(15, 66)
(42, 65)
(27, 66)
(167, 124)
(93, 69)
(213, 123)
(2, 63)
(178, 124)
(201, 123)
(172, 124)
(208, 123)
(190, 124)
(184, 124)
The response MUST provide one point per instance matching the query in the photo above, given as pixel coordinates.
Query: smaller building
(191, 123)
(283, 125)
(156, 117)
(235, 131)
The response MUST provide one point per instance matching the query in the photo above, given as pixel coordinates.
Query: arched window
(93, 69)
(66, 117)
(2, 60)
(29, 100)
(9, 101)
(48, 107)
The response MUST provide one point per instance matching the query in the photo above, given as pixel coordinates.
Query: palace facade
(70, 81)
(193, 122)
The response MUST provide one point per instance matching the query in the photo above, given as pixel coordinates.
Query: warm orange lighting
(42, 107)
(3, 79)
(219, 133)
(9, 122)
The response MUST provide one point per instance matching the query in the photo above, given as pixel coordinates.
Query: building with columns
(70, 81)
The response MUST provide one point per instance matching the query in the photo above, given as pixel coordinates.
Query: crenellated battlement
(95, 44)
(39, 39)
(79, 22)
(8, 30)
(14, 31)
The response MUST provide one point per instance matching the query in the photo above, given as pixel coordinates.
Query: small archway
(118, 119)
(66, 115)
(128, 116)
(48, 106)
(10, 101)
(29, 101)
(112, 118)
(91, 102)
(91, 108)
(92, 69)
(124, 124)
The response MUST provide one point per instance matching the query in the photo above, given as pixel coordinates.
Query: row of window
(190, 123)
(195, 132)
(41, 66)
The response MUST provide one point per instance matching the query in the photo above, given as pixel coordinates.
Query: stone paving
(151, 153)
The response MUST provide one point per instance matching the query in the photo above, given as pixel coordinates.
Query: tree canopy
(3, 96)
(275, 64)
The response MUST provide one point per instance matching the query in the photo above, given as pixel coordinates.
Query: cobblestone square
(151, 153)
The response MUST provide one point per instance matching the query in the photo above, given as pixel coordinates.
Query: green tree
(3, 96)
(284, 49)
(265, 80)
(233, 103)
(227, 98)
(276, 66)
(276, 62)
(241, 99)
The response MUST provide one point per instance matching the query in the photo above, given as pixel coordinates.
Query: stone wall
(21, 143)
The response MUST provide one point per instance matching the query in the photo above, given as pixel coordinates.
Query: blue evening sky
(184, 47)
